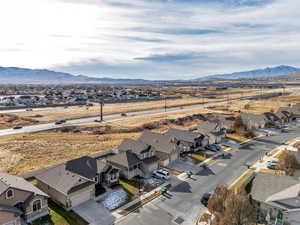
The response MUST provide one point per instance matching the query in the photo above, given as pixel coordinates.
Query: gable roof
(207, 126)
(85, 166)
(126, 159)
(266, 185)
(63, 180)
(11, 181)
(184, 135)
(246, 117)
(161, 142)
(133, 145)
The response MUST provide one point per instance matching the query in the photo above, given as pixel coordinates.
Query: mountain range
(258, 73)
(16, 75)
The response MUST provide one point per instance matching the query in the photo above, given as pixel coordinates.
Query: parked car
(272, 161)
(272, 166)
(17, 127)
(226, 155)
(213, 147)
(205, 198)
(28, 110)
(161, 174)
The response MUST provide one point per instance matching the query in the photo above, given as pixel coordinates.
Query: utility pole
(101, 110)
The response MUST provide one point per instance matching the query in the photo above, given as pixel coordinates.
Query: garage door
(81, 198)
(174, 156)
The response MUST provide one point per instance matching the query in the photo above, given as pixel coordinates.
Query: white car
(272, 161)
(161, 174)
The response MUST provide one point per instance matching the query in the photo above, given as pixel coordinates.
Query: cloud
(149, 38)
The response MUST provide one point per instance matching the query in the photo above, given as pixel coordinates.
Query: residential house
(213, 132)
(253, 121)
(66, 188)
(189, 141)
(166, 147)
(94, 169)
(82, 176)
(20, 201)
(275, 195)
(286, 114)
(146, 153)
(127, 162)
(274, 119)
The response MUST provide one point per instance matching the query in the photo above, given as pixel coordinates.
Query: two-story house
(144, 152)
(20, 201)
(166, 147)
(189, 141)
(212, 130)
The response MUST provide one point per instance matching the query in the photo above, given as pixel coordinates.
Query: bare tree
(238, 210)
(288, 163)
(231, 207)
(238, 125)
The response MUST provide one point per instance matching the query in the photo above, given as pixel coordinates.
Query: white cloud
(73, 35)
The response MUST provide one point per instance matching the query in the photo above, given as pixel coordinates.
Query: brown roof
(126, 159)
(183, 135)
(133, 145)
(62, 180)
(161, 142)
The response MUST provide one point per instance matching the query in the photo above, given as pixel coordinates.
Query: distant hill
(259, 73)
(16, 75)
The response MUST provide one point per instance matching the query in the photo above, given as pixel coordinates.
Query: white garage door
(81, 198)
(174, 156)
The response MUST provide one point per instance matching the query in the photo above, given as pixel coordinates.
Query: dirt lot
(8, 120)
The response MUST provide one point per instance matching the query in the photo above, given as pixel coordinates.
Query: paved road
(185, 200)
(49, 126)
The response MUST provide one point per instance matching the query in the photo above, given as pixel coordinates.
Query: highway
(49, 126)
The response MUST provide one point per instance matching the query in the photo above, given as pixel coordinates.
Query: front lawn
(237, 137)
(59, 216)
(132, 187)
(198, 156)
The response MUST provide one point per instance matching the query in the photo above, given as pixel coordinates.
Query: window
(37, 205)
(9, 194)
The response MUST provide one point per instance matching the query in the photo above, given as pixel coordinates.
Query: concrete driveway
(94, 213)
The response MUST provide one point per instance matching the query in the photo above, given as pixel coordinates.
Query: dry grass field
(23, 153)
(252, 106)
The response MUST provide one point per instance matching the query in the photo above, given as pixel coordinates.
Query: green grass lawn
(130, 186)
(59, 216)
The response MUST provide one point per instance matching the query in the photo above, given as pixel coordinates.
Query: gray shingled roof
(265, 185)
(126, 159)
(63, 180)
(11, 209)
(161, 142)
(85, 166)
(12, 181)
(183, 135)
(133, 145)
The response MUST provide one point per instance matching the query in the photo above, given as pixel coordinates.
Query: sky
(150, 39)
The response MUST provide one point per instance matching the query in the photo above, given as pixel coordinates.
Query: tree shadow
(205, 172)
(183, 187)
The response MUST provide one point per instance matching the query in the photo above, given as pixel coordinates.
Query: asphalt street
(49, 126)
(184, 204)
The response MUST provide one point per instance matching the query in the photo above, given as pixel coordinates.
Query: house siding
(6, 217)
(55, 195)
(19, 196)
